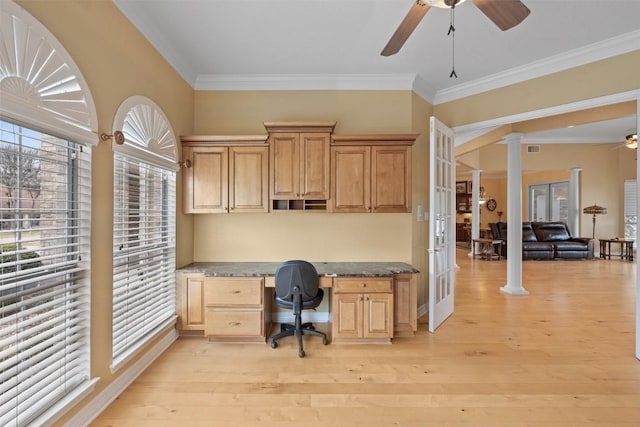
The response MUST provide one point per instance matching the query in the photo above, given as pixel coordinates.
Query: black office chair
(297, 288)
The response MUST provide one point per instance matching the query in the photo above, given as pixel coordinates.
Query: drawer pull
(234, 323)
(235, 292)
(364, 285)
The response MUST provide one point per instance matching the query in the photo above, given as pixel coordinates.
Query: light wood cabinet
(299, 158)
(371, 173)
(225, 174)
(405, 297)
(235, 309)
(190, 302)
(362, 310)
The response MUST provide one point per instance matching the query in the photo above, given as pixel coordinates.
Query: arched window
(144, 206)
(47, 127)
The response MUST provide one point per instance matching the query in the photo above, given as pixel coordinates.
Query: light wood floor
(562, 356)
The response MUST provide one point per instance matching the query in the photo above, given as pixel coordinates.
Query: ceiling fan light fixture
(445, 4)
(632, 141)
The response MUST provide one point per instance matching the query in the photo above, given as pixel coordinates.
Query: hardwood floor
(562, 356)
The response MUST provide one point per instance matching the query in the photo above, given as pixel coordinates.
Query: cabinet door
(347, 316)
(285, 166)
(378, 315)
(351, 179)
(190, 302)
(248, 175)
(206, 181)
(391, 179)
(314, 166)
(405, 303)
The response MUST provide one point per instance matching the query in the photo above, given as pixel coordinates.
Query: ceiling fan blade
(406, 27)
(504, 13)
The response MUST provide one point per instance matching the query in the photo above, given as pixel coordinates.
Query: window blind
(630, 209)
(45, 185)
(143, 253)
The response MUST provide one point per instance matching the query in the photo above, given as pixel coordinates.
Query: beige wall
(117, 62)
(613, 75)
(316, 236)
(421, 111)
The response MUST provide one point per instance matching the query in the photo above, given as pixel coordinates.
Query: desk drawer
(323, 282)
(362, 284)
(229, 291)
(234, 323)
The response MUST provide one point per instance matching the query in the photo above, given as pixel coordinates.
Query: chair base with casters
(299, 329)
(297, 289)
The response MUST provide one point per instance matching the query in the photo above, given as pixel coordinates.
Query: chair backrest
(298, 273)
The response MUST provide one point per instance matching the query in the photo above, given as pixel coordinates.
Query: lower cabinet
(405, 302)
(235, 309)
(362, 309)
(189, 302)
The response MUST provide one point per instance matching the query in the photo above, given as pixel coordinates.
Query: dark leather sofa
(546, 240)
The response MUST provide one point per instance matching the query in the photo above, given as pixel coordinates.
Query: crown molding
(267, 82)
(423, 89)
(595, 52)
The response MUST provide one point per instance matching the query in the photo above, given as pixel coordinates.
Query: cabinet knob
(364, 285)
(186, 163)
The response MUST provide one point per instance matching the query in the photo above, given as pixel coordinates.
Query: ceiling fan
(504, 13)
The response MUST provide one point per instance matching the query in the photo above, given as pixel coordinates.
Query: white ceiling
(336, 44)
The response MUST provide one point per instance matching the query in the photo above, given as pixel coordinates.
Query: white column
(475, 206)
(514, 216)
(574, 202)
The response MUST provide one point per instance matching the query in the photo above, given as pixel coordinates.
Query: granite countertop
(329, 269)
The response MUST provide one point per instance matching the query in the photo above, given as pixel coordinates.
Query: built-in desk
(231, 301)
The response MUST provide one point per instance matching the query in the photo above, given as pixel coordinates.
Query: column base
(513, 291)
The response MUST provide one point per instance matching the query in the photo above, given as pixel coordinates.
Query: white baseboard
(113, 390)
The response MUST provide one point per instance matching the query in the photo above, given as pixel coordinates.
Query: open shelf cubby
(298, 205)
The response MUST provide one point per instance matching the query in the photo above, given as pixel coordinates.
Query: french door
(441, 223)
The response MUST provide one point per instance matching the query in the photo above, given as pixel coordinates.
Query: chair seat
(312, 303)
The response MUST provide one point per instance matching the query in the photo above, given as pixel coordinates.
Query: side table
(487, 248)
(626, 248)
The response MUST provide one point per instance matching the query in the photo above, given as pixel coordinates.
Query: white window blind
(45, 187)
(630, 209)
(143, 253)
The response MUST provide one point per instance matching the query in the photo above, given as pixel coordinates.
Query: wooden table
(626, 248)
(487, 248)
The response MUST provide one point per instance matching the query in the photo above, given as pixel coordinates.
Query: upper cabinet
(371, 173)
(225, 174)
(299, 157)
(298, 166)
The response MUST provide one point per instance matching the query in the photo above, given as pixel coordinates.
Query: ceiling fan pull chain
(452, 33)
